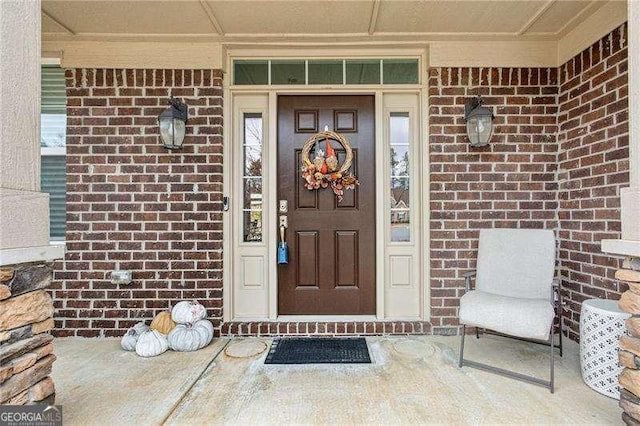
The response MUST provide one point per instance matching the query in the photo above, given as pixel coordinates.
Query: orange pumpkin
(163, 323)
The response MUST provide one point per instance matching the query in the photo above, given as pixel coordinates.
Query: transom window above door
(258, 72)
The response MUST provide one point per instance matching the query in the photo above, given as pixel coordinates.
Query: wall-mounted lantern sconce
(479, 122)
(173, 124)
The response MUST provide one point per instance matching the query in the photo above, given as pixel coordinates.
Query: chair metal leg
(464, 327)
(551, 347)
(560, 337)
(508, 373)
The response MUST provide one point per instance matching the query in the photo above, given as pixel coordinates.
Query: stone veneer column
(629, 244)
(26, 349)
(630, 345)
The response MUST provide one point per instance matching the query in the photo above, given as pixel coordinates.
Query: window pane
(252, 226)
(53, 181)
(252, 193)
(252, 161)
(325, 72)
(53, 130)
(363, 72)
(400, 193)
(400, 210)
(252, 177)
(53, 90)
(400, 71)
(400, 231)
(287, 72)
(251, 72)
(399, 156)
(399, 127)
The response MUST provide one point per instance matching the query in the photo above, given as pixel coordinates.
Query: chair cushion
(528, 318)
(516, 262)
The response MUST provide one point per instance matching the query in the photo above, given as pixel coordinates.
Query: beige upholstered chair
(515, 293)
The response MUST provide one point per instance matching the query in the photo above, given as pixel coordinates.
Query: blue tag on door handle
(283, 254)
(283, 248)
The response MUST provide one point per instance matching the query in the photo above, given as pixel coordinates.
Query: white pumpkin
(185, 338)
(188, 312)
(151, 343)
(205, 328)
(130, 338)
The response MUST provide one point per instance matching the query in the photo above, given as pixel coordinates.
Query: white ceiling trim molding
(203, 55)
(375, 10)
(580, 16)
(140, 55)
(493, 54)
(212, 17)
(600, 23)
(59, 23)
(536, 17)
(301, 39)
(292, 37)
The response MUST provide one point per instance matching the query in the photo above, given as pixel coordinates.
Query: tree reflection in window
(400, 179)
(252, 178)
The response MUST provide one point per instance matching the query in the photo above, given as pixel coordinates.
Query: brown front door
(331, 268)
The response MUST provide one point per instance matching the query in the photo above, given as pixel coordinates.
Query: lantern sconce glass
(173, 124)
(479, 121)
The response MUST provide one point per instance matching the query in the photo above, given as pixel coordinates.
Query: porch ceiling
(305, 20)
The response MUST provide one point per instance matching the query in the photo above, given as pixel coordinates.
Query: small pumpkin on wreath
(325, 171)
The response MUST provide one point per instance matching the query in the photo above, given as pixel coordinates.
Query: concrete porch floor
(411, 381)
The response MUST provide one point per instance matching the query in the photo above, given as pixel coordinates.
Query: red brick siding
(593, 162)
(131, 204)
(557, 160)
(510, 183)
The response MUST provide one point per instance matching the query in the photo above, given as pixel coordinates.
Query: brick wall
(133, 205)
(557, 160)
(510, 183)
(593, 162)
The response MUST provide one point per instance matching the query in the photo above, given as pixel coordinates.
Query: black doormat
(321, 350)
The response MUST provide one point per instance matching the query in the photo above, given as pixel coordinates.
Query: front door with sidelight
(332, 246)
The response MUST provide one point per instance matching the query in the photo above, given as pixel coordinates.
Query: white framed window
(252, 72)
(53, 134)
(252, 177)
(400, 159)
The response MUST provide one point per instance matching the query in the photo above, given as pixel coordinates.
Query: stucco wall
(24, 218)
(20, 74)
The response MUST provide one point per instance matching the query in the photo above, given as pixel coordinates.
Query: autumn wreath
(323, 170)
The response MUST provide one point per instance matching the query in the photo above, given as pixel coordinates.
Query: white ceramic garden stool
(601, 326)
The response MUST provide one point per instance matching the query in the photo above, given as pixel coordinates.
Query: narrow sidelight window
(252, 177)
(400, 176)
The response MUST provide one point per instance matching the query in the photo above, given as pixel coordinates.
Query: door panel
(331, 268)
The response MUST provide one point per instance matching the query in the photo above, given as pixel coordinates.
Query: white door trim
(231, 222)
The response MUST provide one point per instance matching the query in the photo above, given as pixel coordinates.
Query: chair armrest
(467, 280)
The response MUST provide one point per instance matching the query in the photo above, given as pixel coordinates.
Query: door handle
(283, 249)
